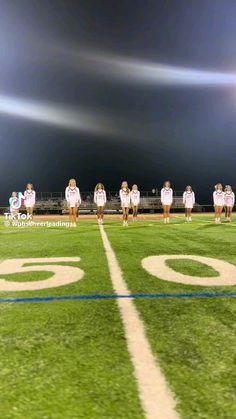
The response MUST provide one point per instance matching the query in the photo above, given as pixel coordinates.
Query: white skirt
(100, 203)
(135, 203)
(188, 206)
(72, 204)
(166, 202)
(29, 204)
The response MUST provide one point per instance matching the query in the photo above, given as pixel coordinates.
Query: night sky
(138, 130)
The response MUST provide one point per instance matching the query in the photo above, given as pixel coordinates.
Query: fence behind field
(150, 201)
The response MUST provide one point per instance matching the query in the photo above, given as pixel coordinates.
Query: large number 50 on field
(155, 265)
(62, 275)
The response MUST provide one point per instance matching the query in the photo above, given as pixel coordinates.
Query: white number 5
(62, 275)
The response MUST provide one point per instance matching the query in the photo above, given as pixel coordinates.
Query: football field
(113, 322)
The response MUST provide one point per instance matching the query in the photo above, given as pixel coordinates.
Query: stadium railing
(150, 201)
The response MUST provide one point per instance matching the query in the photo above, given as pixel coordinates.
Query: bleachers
(55, 203)
(149, 202)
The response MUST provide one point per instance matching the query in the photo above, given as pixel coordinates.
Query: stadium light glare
(77, 119)
(139, 71)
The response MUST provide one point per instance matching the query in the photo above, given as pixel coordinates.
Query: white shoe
(190, 219)
(165, 221)
(124, 223)
(168, 221)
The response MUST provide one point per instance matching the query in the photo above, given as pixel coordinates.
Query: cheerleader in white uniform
(29, 198)
(73, 198)
(100, 200)
(188, 201)
(166, 200)
(125, 202)
(135, 200)
(219, 201)
(229, 202)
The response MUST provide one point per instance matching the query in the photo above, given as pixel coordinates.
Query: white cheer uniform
(30, 197)
(73, 196)
(135, 198)
(125, 198)
(219, 198)
(166, 196)
(100, 197)
(189, 199)
(229, 199)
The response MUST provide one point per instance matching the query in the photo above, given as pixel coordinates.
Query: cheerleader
(219, 201)
(73, 198)
(229, 202)
(166, 200)
(135, 200)
(29, 198)
(100, 200)
(125, 202)
(188, 201)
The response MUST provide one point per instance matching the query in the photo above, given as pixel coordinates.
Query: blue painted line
(114, 297)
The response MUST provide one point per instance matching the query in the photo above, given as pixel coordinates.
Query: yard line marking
(156, 397)
(115, 297)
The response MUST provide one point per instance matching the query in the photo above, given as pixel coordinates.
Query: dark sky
(184, 133)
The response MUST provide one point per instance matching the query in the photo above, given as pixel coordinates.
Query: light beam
(140, 71)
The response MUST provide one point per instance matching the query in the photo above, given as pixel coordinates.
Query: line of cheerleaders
(130, 198)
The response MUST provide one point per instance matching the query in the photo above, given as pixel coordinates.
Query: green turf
(64, 359)
(194, 339)
(27, 276)
(191, 267)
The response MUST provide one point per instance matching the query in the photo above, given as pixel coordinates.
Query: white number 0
(63, 275)
(156, 265)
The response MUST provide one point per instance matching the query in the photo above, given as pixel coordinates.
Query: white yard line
(156, 397)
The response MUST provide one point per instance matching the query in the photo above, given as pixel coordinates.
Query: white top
(30, 197)
(166, 196)
(100, 197)
(135, 197)
(73, 196)
(219, 198)
(189, 199)
(229, 199)
(125, 198)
